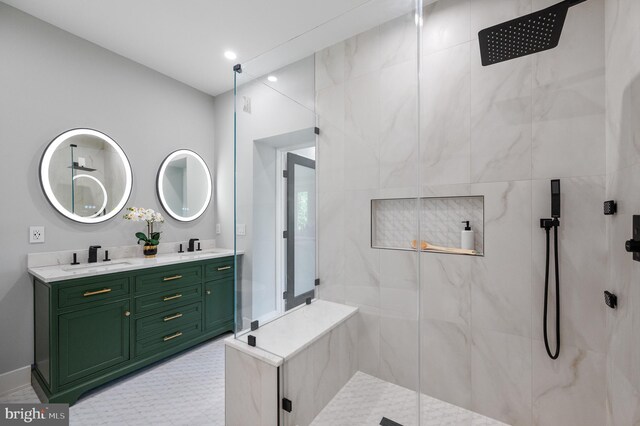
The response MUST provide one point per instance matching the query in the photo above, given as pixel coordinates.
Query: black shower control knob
(611, 300)
(632, 246)
(610, 207)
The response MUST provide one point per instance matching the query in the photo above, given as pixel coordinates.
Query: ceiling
(186, 40)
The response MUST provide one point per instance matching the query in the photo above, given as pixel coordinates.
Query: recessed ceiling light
(272, 78)
(230, 55)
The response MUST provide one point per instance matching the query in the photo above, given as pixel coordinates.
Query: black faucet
(93, 253)
(192, 242)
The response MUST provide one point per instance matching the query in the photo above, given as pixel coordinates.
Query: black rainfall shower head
(523, 36)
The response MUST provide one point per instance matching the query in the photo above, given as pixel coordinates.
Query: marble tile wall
(312, 377)
(366, 97)
(502, 132)
(248, 376)
(622, 54)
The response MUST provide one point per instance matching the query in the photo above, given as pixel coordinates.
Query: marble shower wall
(366, 100)
(623, 185)
(503, 132)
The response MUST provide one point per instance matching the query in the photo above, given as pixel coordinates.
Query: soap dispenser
(466, 237)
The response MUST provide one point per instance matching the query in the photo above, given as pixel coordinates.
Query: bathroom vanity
(97, 323)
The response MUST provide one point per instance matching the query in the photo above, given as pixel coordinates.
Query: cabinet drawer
(175, 336)
(164, 322)
(169, 298)
(169, 278)
(221, 268)
(92, 290)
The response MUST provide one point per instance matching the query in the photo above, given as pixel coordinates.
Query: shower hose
(546, 291)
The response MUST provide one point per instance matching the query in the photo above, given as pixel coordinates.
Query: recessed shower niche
(442, 222)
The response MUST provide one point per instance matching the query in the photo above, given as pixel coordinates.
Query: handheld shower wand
(547, 224)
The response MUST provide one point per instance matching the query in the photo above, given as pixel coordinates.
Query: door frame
(292, 160)
(281, 219)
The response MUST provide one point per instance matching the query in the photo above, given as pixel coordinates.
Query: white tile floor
(189, 390)
(185, 390)
(365, 399)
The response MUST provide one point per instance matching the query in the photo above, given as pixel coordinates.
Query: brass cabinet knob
(127, 313)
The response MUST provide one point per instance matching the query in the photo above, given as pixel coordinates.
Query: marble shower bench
(304, 357)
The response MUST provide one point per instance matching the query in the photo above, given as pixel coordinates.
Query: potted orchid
(152, 238)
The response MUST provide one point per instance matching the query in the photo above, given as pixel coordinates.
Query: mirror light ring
(160, 185)
(104, 193)
(45, 162)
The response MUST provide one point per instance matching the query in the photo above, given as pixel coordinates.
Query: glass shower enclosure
(388, 196)
(323, 137)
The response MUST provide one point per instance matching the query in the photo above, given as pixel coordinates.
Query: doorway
(283, 245)
(301, 227)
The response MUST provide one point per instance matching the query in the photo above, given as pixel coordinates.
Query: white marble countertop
(55, 273)
(287, 335)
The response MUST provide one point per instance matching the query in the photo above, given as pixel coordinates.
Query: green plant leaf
(141, 236)
(154, 242)
(155, 235)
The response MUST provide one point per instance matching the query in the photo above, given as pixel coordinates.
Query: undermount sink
(206, 251)
(103, 265)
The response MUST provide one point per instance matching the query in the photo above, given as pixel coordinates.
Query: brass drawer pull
(175, 277)
(172, 317)
(93, 293)
(177, 296)
(173, 336)
(224, 268)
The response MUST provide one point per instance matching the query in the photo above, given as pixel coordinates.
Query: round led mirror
(86, 176)
(184, 185)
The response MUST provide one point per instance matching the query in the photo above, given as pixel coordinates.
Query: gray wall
(53, 81)
(503, 132)
(623, 185)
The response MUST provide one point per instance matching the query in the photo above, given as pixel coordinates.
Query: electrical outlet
(218, 228)
(241, 229)
(36, 234)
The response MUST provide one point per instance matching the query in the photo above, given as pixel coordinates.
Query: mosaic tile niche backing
(393, 221)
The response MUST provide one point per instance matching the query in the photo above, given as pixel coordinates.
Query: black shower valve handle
(610, 207)
(610, 299)
(548, 223)
(632, 246)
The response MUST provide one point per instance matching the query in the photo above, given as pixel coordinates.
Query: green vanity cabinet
(217, 310)
(89, 331)
(91, 340)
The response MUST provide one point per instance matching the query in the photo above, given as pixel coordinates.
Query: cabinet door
(92, 340)
(218, 300)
